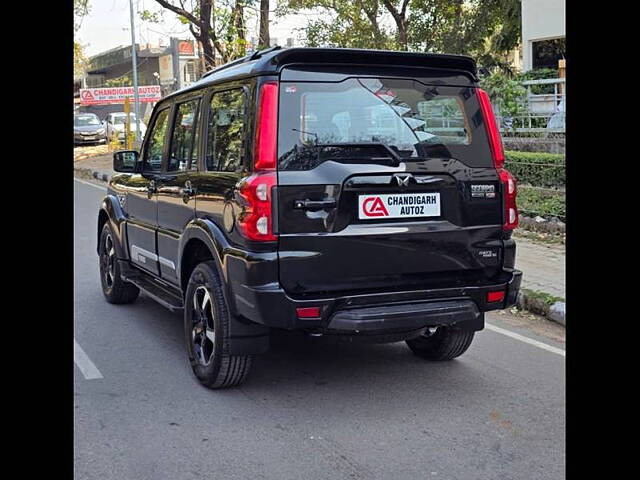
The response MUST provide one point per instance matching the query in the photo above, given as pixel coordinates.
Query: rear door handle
(314, 204)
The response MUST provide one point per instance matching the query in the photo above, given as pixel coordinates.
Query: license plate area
(380, 206)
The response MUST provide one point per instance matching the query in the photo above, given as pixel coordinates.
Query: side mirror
(126, 161)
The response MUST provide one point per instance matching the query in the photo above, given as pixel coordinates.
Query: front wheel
(206, 329)
(441, 343)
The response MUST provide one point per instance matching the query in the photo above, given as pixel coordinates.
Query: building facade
(543, 33)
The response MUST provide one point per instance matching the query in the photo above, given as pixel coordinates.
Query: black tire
(446, 343)
(205, 309)
(115, 289)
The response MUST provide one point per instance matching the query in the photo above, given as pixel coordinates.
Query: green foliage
(445, 26)
(546, 203)
(151, 17)
(537, 168)
(538, 74)
(342, 23)
(80, 61)
(507, 95)
(123, 81)
(542, 296)
(484, 29)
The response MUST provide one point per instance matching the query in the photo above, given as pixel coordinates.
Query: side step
(166, 295)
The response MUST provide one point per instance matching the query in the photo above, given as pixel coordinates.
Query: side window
(184, 141)
(226, 131)
(155, 147)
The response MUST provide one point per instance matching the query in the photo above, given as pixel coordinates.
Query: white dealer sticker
(398, 205)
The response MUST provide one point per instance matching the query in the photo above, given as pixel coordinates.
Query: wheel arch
(201, 241)
(111, 211)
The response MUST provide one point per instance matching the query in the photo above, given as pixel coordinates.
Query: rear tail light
(510, 193)
(497, 154)
(264, 157)
(255, 222)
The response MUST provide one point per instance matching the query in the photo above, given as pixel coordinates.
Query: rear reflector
(495, 296)
(308, 312)
(495, 141)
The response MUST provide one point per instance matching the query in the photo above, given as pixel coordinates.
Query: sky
(107, 26)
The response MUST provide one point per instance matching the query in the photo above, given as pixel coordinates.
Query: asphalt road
(312, 408)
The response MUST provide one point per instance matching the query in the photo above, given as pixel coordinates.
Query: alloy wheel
(202, 331)
(108, 260)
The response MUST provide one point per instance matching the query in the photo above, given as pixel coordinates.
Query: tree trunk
(400, 17)
(264, 40)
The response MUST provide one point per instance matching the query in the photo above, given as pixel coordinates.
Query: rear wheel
(206, 328)
(441, 343)
(115, 289)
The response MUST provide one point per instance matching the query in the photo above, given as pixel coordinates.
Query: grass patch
(542, 296)
(537, 168)
(546, 203)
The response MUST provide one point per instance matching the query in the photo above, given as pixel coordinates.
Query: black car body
(335, 191)
(87, 128)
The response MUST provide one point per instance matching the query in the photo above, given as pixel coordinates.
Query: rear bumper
(268, 304)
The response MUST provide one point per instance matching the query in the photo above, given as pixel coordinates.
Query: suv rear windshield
(378, 119)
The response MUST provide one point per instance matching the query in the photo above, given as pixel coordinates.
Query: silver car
(88, 129)
(115, 123)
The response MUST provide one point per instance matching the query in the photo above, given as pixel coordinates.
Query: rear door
(378, 186)
(176, 193)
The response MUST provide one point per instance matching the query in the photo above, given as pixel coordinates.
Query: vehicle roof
(272, 60)
(84, 114)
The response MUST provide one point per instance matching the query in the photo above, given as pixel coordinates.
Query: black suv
(334, 191)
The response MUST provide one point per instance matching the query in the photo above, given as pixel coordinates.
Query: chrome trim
(136, 251)
(167, 263)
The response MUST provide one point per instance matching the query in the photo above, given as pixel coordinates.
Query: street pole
(134, 58)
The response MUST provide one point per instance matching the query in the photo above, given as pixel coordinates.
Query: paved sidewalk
(543, 266)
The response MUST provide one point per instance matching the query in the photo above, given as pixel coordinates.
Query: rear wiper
(395, 156)
(392, 153)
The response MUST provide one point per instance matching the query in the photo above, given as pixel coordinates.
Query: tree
(80, 63)
(481, 28)
(219, 29)
(350, 23)
(264, 41)
(80, 10)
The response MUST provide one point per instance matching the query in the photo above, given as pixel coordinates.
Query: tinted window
(155, 147)
(546, 53)
(225, 131)
(385, 117)
(183, 139)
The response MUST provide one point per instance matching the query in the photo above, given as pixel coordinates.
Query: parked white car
(115, 122)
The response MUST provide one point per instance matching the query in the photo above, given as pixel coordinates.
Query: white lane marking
(524, 339)
(84, 363)
(91, 184)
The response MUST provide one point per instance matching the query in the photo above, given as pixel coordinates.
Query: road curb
(534, 304)
(90, 172)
